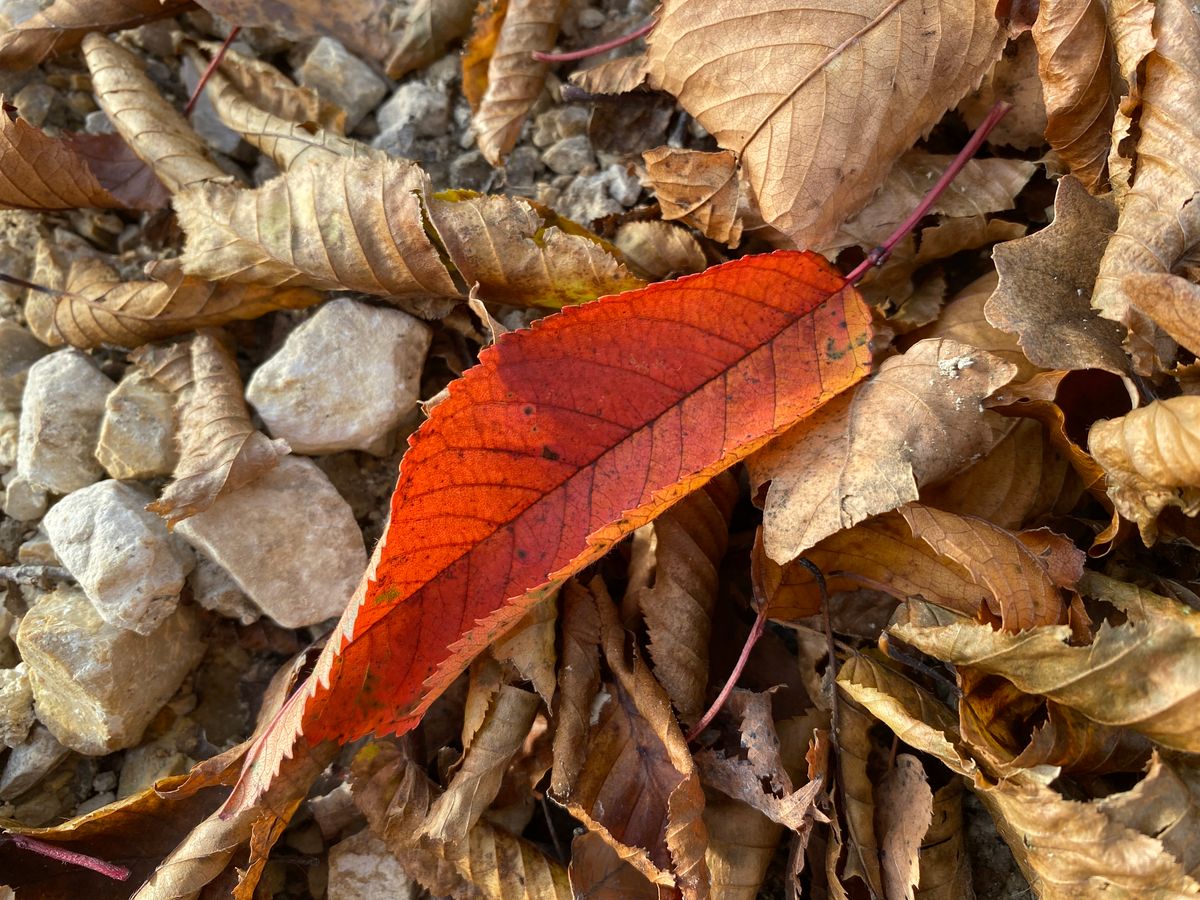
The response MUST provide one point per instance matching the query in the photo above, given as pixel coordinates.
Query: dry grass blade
(151, 126)
(221, 450)
(430, 27)
(98, 308)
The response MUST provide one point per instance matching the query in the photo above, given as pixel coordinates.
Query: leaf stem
(69, 857)
(21, 282)
(209, 69)
(879, 255)
(621, 41)
(756, 631)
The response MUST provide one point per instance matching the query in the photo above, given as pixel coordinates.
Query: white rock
(214, 588)
(570, 155)
(417, 105)
(30, 762)
(343, 379)
(23, 500)
(288, 539)
(342, 78)
(61, 411)
(16, 706)
(122, 556)
(96, 686)
(9, 430)
(362, 868)
(137, 431)
(19, 350)
(204, 116)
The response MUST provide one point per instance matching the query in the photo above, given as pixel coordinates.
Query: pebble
(10, 424)
(61, 410)
(30, 762)
(214, 588)
(34, 102)
(288, 539)
(591, 197)
(16, 706)
(137, 431)
(19, 350)
(362, 868)
(204, 116)
(417, 105)
(23, 500)
(98, 122)
(343, 379)
(37, 551)
(570, 155)
(342, 78)
(127, 563)
(471, 170)
(17, 11)
(145, 765)
(96, 686)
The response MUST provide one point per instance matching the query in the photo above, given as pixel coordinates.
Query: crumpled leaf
(431, 26)
(98, 308)
(220, 449)
(945, 865)
(578, 680)
(1159, 222)
(916, 422)
(1046, 282)
(856, 799)
(903, 812)
(364, 26)
(45, 173)
(63, 23)
(1152, 459)
(530, 647)
(660, 249)
(159, 135)
(597, 872)
(741, 843)
(514, 77)
(700, 188)
(1013, 80)
(1075, 59)
(1081, 746)
(767, 102)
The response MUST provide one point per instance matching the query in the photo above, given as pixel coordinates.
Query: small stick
(558, 850)
(209, 69)
(621, 41)
(756, 631)
(21, 282)
(69, 857)
(879, 255)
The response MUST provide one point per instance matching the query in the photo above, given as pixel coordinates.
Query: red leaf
(564, 439)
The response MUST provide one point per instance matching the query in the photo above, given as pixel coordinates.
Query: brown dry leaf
(159, 135)
(1105, 681)
(1046, 283)
(690, 542)
(525, 255)
(598, 873)
(660, 250)
(431, 26)
(702, 189)
(1152, 459)
(63, 24)
(514, 77)
(477, 781)
(120, 170)
(1013, 80)
(945, 865)
(220, 449)
(768, 102)
(293, 231)
(486, 677)
(97, 308)
(364, 26)
(1172, 302)
(529, 646)
(1079, 745)
(578, 682)
(916, 422)
(856, 786)
(1158, 223)
(479, 47)
(741, 843)
(903, 813)
(44, 173)
(1075, 60)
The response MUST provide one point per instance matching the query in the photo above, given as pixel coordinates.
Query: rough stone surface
(591, 197)
(214, 588)
(96, 686)
(137, 431)
(570, 155)
(23, 500)
(419, 105)
(61, 410)
(204, 116)
(122, 556)
(343, 379)
(362, 868)
(30, 762)
(342, 78)
(10, 428)
(18, 351)
(16, 706)
(288, 539)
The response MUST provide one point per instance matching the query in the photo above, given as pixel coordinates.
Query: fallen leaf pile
(706, 572)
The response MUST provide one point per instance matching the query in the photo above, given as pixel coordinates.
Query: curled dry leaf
(741, 843)
(63, 24)
(945, 865)
(514, 77)
(903, 813)
(766, 102)
(702, 189)
(1080, 746)
(1013, 80)
(96, 307)
(578, 680)
(1046, 283)
(220, 449)
(856, 795)
(598, 872)
(431, 26)
(1075, 61)
(1152, 459)
(530, 647)
(364, 26)
(660, 249)
(915, 423)
(159, 135)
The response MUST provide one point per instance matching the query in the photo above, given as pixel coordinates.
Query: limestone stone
(204, 116)
(30, 762)
(23, 500)
(16, 706)
(137, 431)
(96, 686)
(362, 868)
(10, 427)
(61, 410)
(214, 588)
(343, 379)
(342, 78)
(127, 563)
(19, 350)
(570, 155)
(419, 105)
(288, 539)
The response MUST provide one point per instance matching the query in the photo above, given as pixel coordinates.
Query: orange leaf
(564, 439)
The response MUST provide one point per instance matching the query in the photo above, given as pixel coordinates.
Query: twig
(756, 631)
(68, 857)
(209, 69)
(621, 41)
(879, 255)
(21, 282)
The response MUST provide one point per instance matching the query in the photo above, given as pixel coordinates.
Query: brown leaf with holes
(903, 813)
(835, 470)
(698, 188)
(364, 26)
(431, 26)
(62, 24)
(159, 135)
(220, 449)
